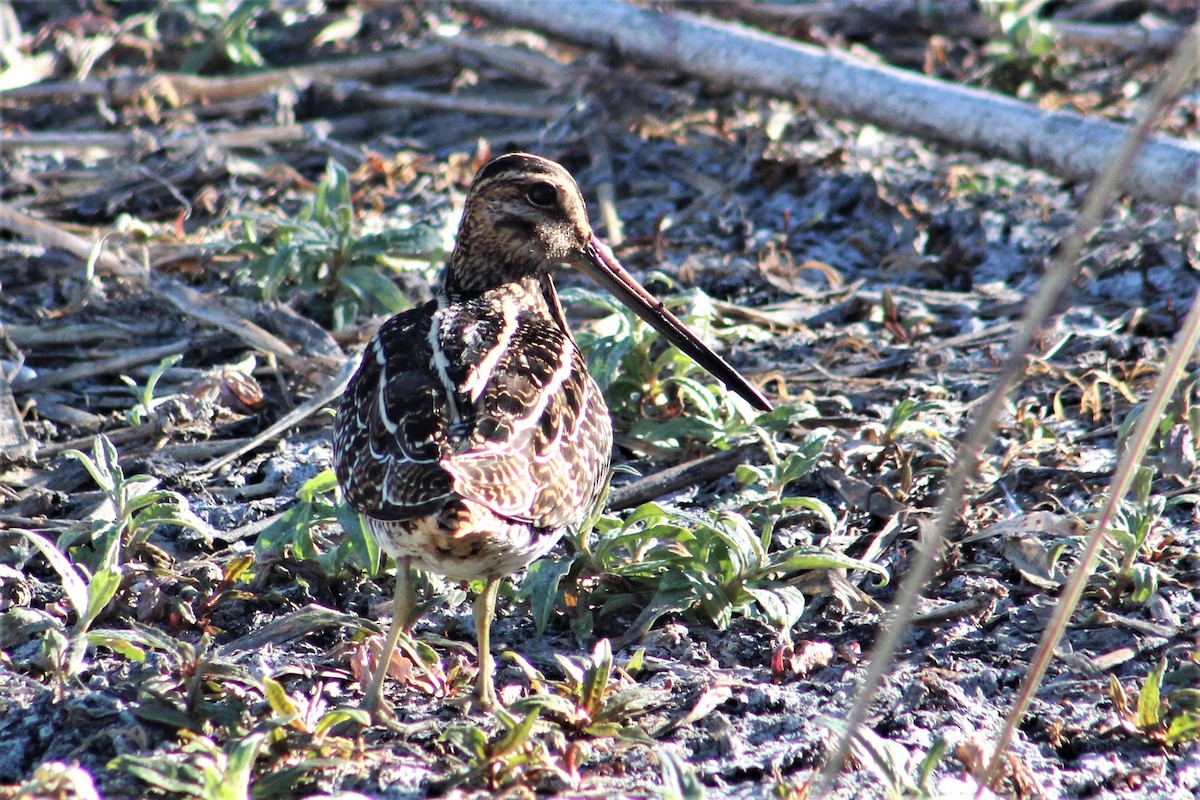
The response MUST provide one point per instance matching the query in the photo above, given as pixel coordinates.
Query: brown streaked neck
(487, 256)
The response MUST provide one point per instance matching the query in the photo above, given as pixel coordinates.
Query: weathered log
(1062, 143)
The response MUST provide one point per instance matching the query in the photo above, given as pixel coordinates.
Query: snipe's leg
(403, 602)
(485, 612)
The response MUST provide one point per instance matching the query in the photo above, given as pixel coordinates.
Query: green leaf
(595, 679)
(373, 288)
(279, 700)
(73, 585)
(540, 587)
(118, 643)
(101, 589)
(679, 782)
(235, 781)
(361, 540)
(781, 605)
(161, 773)
(338, 716)
(554, 705)
(1149, 707)
(812, 504)
(322, 482)
(1183, 728)
(801, 558)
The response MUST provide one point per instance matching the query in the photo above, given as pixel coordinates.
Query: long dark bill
(601, 265)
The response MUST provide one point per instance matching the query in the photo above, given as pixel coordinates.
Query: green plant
(222, 31)
(1169, 721)
(322, 256)
(594, 699)
(207, 770)
(88, 595)
(711, 565)
(764, 486)
(132, 510)
(514, 757)
(1026, 48)
(714, 565)
(92, 565)
(679, 781)
(144, 395)
(656, 394)
(1134, 521)
(1021, 26)
(319, 502)
(892, 764)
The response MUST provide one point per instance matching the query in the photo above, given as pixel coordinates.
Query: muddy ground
(864, 269)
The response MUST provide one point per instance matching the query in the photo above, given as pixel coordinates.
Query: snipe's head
(524, 215)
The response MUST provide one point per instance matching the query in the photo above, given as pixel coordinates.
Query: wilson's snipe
(472, 434)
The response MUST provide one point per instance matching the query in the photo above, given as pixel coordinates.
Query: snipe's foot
(402, 605)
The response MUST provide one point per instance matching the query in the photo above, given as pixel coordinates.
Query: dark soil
(877, 268)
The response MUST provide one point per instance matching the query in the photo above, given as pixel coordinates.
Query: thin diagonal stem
(1143, 433)
(1064, 269)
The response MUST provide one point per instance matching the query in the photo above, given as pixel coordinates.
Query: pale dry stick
(69, 141)
(606, 196)
(1062, 272)
(1135, 38)
(961, 18)
(92, 367)
(186, 299)
(256, 137)
(181, 89)
(524, 64)
(411, 98)
(330, 392)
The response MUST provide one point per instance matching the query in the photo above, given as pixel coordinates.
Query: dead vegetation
(208, 208)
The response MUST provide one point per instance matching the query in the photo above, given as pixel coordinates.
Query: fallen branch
(669, 480)
(179, 89)
(1062, 143)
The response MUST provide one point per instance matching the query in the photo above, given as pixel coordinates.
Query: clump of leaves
(222, 33)
(321, 255)
(207, 771)
(514, 757)
(715, 564)
(92, 563)
(132, 510)
(318, 503)
(1025, 51)
(594, 699)
(189, 688)
(1168, 721)
(657, 393)
(1124, 564)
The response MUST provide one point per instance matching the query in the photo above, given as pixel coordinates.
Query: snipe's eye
(542, 194)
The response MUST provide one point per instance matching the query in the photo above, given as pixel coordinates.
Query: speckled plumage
(509, 429)
(472, 436)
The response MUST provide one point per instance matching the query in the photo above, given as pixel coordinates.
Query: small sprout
(143, 409)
